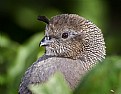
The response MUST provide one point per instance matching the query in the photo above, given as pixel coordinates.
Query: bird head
(72, 36)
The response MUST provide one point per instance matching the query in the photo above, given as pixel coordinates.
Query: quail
(73, 45)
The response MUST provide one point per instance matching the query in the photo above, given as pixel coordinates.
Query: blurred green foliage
(105, 78)
(20, 34)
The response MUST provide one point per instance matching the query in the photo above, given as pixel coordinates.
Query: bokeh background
(21, 32)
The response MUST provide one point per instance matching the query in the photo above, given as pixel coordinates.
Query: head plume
(44, 19)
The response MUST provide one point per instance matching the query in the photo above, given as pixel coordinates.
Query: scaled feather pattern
(73, 46)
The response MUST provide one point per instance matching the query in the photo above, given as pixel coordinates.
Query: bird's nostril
(48, 38)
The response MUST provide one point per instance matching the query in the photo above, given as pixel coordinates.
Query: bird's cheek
(52, 45)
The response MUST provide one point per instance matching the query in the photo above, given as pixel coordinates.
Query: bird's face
(62, 41)
(72, 36)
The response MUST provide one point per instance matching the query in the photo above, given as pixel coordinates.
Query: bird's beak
(45, 41)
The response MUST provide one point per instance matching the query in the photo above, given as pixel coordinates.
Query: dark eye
(65, 35)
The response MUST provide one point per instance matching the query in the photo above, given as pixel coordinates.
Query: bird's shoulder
(47, 65)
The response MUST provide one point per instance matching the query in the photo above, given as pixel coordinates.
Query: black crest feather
(44, 19)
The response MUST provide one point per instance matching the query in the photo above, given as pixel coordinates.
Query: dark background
(21, 32)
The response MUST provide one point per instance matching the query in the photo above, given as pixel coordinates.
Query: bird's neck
(88, 58)
(86, 61)
(86, 65)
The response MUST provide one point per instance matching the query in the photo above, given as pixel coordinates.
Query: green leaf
(55, 85)
(105, 78)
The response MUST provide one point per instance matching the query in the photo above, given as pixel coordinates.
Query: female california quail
(73, 46)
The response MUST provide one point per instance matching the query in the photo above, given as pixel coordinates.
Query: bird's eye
(65, 35)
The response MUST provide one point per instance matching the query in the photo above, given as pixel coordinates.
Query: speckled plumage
(72, 54)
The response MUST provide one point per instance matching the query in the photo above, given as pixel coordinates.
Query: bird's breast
(71, 69)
